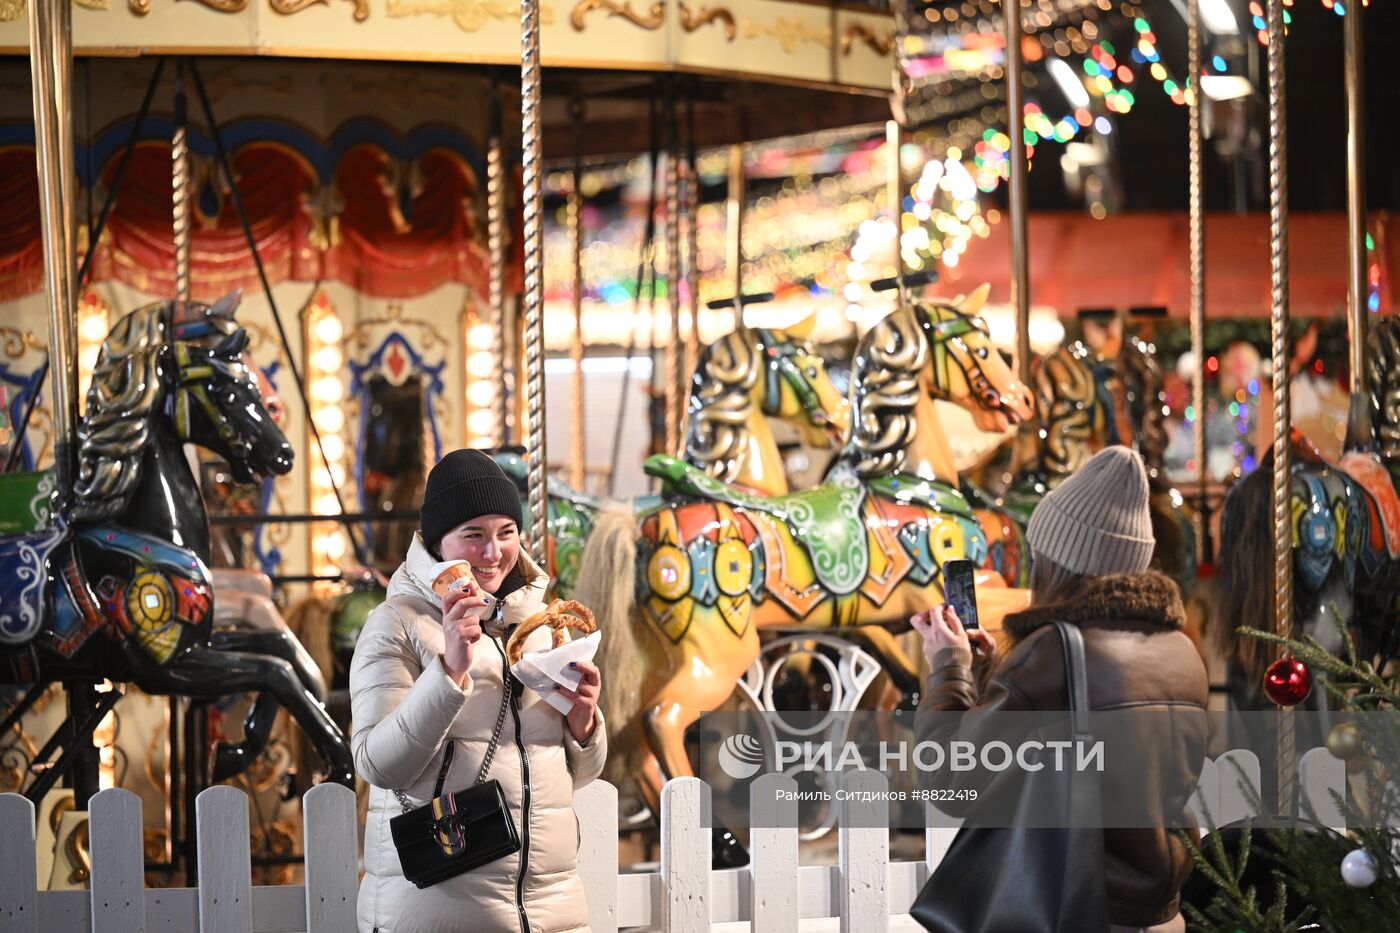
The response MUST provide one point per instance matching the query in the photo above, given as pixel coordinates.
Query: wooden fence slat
(939, 830)
(1320, 774)
(329, 821)
(685, 855)
(1239, 786)
(225, 869)
(773, 865)
(596, 807)
(19, 889)
(118, 887)
(864, 852)
(1205, 801)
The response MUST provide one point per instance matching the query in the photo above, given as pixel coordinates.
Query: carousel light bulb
(334, 447)
(329, 419)
(481, 393)
(326, 504)
(481, 422)
(479, 335)
(328, 359)
(328, 389)
(92, 327)
(335, 546)
(482, 364)
(328, 329)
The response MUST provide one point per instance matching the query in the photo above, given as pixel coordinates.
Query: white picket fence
(862, 893)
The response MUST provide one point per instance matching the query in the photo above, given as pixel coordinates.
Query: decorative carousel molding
(703, 16)
(467, 15)
(651, 20)
(881, 43)
(289, 7)
(790, 34)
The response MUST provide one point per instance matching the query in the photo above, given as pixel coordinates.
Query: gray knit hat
(1097, 522)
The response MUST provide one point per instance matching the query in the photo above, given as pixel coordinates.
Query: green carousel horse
(741, 381)
(682, 590)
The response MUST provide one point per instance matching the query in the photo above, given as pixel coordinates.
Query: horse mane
(1142, 379)
(113, 433)
(884, 392)
(1065, 386)
(1383, 363)
(722, 403)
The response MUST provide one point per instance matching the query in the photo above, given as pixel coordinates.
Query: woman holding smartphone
(1091, 543)
(429, 684)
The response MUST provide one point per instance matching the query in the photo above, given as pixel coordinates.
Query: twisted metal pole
(579, 447)
(533, 207)
(1016, 188)
(894, 185)
(692, 257)
(1198, 271)
(51, 70)
(1359, 433)
(180, 195)
(673, 293)
(1279, 320)
(496, 247)
(736, 229)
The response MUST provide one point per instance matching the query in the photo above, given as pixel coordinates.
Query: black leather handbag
(1026, 879)
(454, 833)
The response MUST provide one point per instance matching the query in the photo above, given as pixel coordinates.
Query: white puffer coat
(405, 709)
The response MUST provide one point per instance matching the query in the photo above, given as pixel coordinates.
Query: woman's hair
(1051, 583)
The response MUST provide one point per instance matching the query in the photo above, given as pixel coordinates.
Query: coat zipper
(524, 792)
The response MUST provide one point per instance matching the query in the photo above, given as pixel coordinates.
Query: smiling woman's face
(491, 544)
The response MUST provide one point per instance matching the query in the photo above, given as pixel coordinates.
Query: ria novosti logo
(741, 756)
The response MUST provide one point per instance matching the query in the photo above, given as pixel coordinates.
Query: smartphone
(960, 590)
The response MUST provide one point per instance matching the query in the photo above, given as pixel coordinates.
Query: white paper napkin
(541, 670)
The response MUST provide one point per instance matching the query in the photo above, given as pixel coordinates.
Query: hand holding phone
(960, 591)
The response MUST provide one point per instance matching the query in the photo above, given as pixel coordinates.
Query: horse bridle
(191, 382)
(946, 339)
(781, 359)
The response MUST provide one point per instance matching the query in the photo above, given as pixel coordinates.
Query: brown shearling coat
(1138, 657)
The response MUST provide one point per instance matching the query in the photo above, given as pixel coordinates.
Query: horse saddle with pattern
(826, 521)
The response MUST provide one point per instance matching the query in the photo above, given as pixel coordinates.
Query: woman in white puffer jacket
(424, 675)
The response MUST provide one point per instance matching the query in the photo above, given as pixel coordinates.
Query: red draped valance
(388, 229)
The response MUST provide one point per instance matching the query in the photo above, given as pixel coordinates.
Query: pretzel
(558, 615)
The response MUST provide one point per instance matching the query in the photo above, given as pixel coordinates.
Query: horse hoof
(229, 761)
(726, 851)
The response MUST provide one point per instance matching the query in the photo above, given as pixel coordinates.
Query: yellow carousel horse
(682, 590)
(742, 380)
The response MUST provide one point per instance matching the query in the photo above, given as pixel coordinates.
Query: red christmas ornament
(1288, 682)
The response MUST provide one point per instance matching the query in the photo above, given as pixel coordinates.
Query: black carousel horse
(123, 592)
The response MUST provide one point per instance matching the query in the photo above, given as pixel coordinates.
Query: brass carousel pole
(496, 247)
(1359, 433)
(1016, 188)
(673, 293)
(1279, 319)
(1198, 272)
(736, 229)
(894, 183)
(51, 69)
(533, 206)
(579, 446)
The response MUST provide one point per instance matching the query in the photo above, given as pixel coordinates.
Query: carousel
(749, 301)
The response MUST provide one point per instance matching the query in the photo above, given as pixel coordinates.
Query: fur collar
(1146, 597)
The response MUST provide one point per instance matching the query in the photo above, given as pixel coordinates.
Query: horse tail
(1246, 587)
(607, 585)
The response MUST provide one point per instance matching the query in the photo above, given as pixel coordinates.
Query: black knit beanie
(465, 484)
